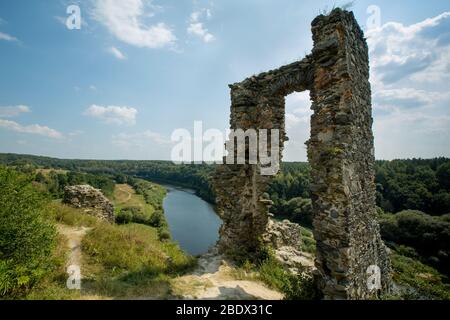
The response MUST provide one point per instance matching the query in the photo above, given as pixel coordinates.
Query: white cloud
(125, 19)
(117, 53)
(418, 52)
(13, 111)
(196, 27)
(93, 88)
(410, 67)
(7, 37)
(292, 120)
(408, 98)
(139, 139)
(76, 133)
(298, 106)
(31, 129)
(113, 114)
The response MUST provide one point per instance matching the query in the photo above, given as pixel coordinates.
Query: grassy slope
(125, 196)
(125, 261)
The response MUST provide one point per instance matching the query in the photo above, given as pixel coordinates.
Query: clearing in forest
(126, 197)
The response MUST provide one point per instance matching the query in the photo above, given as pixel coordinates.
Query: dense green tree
(443, 175)
(26, 236)
(428, 235)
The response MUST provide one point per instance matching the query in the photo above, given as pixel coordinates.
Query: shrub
(133, 215)
(26, 235)
(157, 219)
(294, 287)
(428, 235)
(164, 234)
(419, 281)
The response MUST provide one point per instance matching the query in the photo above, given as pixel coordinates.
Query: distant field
(47, 171)
(125, 196)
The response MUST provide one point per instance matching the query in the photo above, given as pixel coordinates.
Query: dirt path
(74, 236)
(214, 279)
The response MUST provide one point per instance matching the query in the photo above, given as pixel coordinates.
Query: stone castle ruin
(340, 152)
(91, 200)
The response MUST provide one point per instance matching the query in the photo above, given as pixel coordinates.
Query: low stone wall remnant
(91, 199)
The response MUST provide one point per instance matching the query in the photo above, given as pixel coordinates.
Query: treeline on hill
(415, 184)
(195, 177)
(413, 195)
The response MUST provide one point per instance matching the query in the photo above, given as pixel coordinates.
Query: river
(192, 221)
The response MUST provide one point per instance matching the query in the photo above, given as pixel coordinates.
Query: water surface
(192, 221)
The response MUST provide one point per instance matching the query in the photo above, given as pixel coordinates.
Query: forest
(413, 196)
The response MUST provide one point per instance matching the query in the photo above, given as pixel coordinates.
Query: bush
(157, 219)
(428, 235)
(26, 235)
(300, 287)
(164, 234)
(133, 215)
(418, 281)
(294, 287)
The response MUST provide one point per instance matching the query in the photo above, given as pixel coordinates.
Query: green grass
(119, 261)
(308, 243)
(142, 203)
(53, 285)
(273, 274)
(67, 215)
(125, 197)
(128, 259)
(417, 280)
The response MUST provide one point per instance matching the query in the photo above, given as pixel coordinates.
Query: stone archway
(340, 152)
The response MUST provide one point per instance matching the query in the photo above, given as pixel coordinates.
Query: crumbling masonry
(340, 152)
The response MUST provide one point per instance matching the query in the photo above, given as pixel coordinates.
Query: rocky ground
(214, 279)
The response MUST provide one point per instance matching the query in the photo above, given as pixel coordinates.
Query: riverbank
(192, 222)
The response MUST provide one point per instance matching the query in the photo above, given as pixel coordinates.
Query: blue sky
(136, 70)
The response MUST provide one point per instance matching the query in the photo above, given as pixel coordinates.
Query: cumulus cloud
(408, 98)
(126, 20)
(113, 114)
(116, 53)
(140, 139)
(406, 61)
(420, 51)
(7, 37)
(410, 67)
(196, 26)
(298, 106)
(292, 120)
(13, 111)
(31, 129)
(76, 133)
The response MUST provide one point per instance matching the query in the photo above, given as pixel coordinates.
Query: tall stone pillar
(352, 261)
(350, 251)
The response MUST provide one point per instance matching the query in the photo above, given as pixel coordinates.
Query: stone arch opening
(297, 125)
(340, 153)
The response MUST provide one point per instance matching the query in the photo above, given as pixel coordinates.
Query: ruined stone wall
(91, 200)
(256, 103)
(340, 153)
